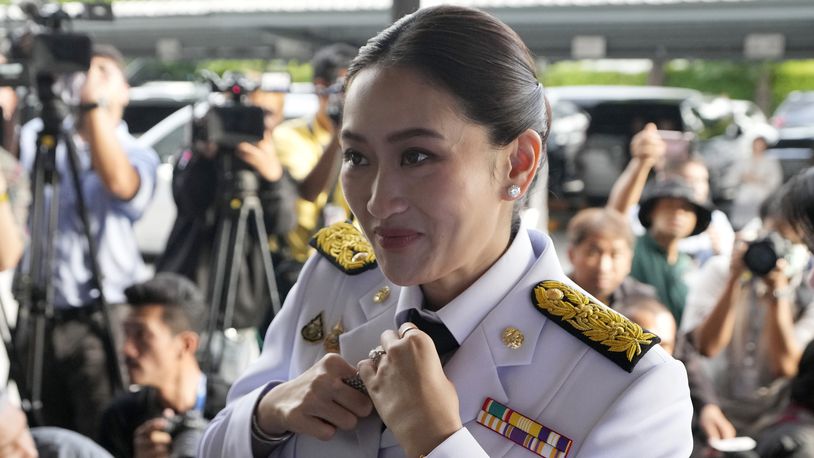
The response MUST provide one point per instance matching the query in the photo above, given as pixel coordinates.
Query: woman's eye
(412, 157)
(354, 158)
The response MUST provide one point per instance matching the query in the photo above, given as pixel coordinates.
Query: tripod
(35, 285)
(240, 217)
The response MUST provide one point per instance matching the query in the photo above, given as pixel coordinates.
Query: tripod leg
(268, 264)
(218, 271)
(234, 259)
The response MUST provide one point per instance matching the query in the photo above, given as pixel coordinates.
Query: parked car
(616, 114)
(170, 136)
(794, 119)
(155, 100)
(568, 127)
(730, 128)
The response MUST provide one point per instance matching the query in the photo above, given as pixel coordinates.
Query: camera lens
(761, 257)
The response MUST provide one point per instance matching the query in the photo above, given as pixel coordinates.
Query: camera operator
(753, 314)
(309, 150)
(190, 246)
(167, 413)
(117, 176)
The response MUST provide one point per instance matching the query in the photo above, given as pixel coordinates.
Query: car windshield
(796, 111)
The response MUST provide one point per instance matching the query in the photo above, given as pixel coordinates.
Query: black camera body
(186, 430)
(229, 125)
(761, 255)
(43, 49)
(231, 121)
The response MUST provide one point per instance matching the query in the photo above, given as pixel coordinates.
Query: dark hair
(183, 304)
(479, 59)
(798, 204)
(329, 60)
(109, 52)
(772, 207)
(802, 386)
(593, 221)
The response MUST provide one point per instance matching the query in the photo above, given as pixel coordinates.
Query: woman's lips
(395, 238)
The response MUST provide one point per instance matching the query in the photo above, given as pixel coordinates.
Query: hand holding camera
(170, 436)
(262, 157)
(151, 439)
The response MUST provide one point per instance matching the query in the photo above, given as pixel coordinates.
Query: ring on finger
(404, 331)
(376, 355)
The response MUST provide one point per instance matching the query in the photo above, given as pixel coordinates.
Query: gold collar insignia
(606, 331)
(345, 247)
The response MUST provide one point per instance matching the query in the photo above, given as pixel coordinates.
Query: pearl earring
(514, 191)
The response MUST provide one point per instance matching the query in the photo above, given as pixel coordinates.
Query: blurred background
(720, 70)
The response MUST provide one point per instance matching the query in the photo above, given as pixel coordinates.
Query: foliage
(792, 76)
(737, 80)
(574, 74)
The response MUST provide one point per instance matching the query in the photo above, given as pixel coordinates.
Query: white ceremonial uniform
(553, 377)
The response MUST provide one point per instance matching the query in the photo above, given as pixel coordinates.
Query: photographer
(202, 192)
(309, 150)
(752, 315)
(117, 178)
(162, 333)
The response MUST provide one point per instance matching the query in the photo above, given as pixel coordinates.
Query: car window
(173, 142)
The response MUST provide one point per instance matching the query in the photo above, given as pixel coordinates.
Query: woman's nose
(386, 197)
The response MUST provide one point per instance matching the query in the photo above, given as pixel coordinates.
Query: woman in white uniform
(447, 328)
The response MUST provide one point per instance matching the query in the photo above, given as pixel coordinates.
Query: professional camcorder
(42, 48)
(230, 122)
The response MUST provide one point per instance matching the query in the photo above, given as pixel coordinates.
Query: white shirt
(553, 377)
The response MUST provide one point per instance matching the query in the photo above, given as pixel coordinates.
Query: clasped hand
(410, 391)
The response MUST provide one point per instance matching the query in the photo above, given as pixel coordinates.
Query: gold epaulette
(345, 247)
(617, 338)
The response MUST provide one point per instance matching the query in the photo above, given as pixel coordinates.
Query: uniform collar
(463, 314)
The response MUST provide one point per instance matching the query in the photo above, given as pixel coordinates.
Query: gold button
(359, 257)
(513, 338)
(554, 294)
(381, 295)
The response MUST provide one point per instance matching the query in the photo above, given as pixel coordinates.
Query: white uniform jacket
(553, 377)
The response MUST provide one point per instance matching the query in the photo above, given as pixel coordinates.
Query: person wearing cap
(648, 150)
(753, 327)
(670, 211)
(760, 175)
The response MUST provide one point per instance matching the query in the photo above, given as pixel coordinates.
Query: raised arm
(646, 150)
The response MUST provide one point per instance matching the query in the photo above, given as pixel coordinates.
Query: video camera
(230, 122)
(42, 49)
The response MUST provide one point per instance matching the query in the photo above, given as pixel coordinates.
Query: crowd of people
(421, 314)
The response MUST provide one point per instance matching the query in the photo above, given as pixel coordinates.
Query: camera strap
(200, 398)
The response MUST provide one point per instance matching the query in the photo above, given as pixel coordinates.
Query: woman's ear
(525, 159)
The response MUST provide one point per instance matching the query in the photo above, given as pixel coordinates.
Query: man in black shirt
(161, 340)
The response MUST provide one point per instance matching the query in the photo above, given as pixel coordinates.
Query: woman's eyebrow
(396, 136)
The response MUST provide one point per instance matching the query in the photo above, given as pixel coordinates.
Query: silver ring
(376, 355)
(411, 328)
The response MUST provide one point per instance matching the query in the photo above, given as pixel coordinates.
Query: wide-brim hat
(678, 189)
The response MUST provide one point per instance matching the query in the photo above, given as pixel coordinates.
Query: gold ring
(405, 331)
